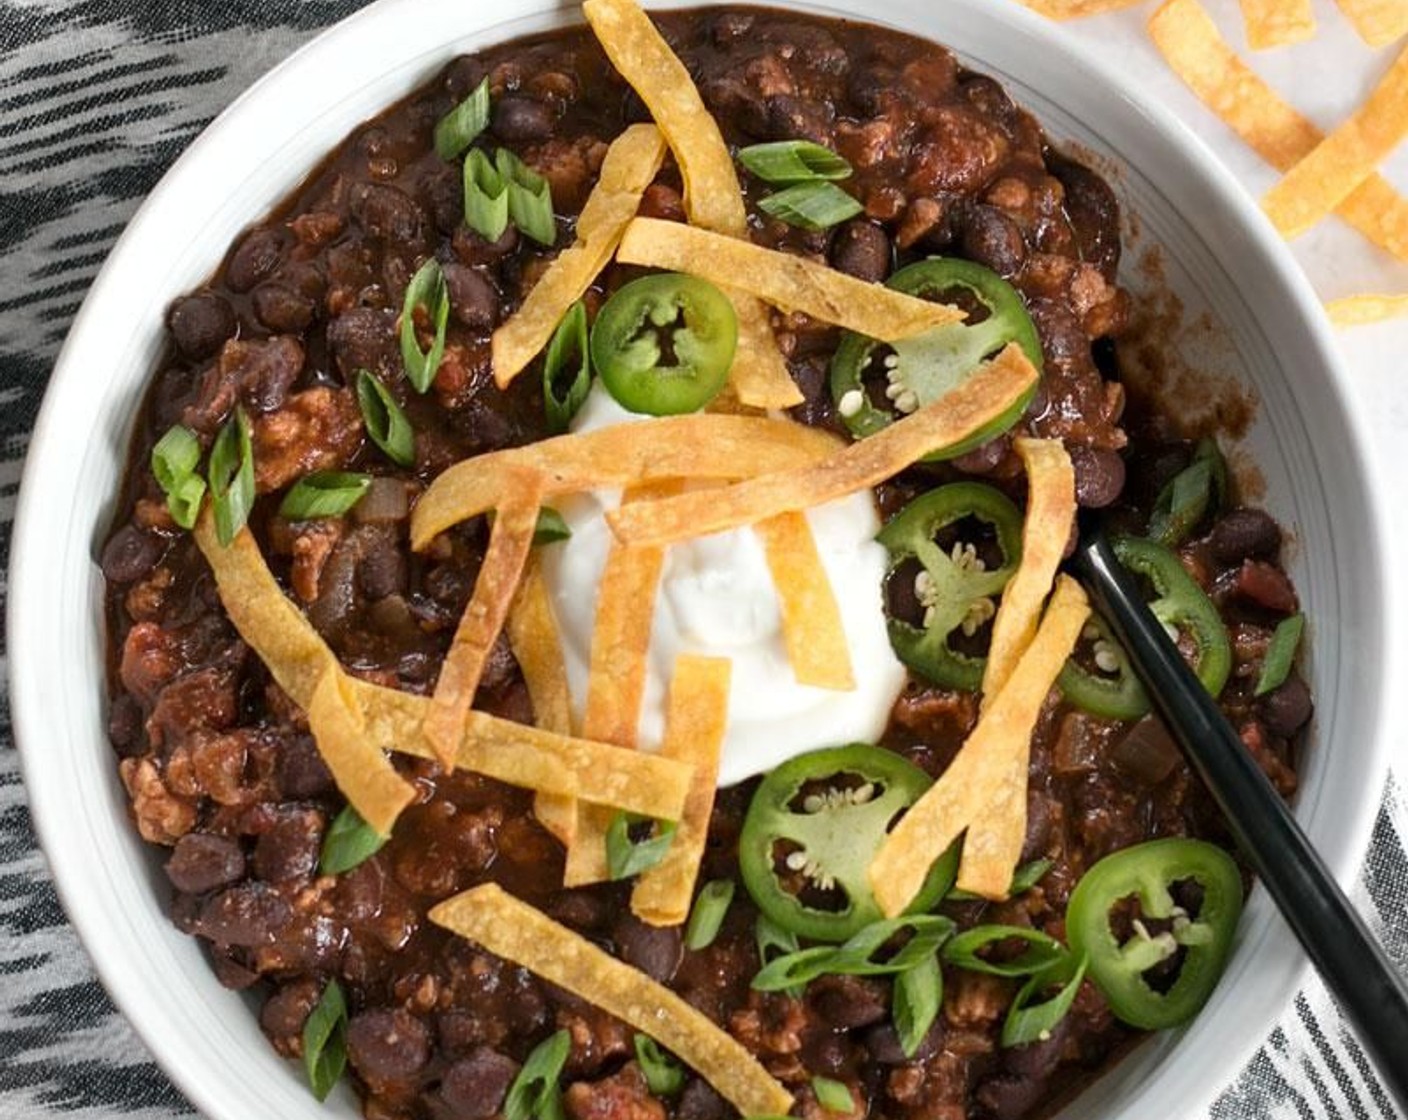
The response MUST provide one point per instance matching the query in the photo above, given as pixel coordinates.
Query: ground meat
(622, 1096)
(318, 429)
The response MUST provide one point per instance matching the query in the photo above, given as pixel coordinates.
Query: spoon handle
(1336, 939)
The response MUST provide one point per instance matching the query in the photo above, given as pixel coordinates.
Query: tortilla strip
(695, 724)
(1051, 511)
(625, 613)
(992, 389)
(1378, 22)
(811, 619)
(712, 196)
(1077, 9)
(515, 931)
(361, 770)
(1195, 49)
(1328, 175)
(510, 540)
(784, 280)
(981, 775)
(1277, 23)
(699, 447)
(1356, 311)
(533, 636)
(297, 658)
(630, 166)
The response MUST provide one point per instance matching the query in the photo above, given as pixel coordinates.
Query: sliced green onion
(859, 955)
(386, 423)
(813, 206)
(458, 128)
(707, 917)
(485, 197)
(231, 476)
(775, 943)
(550, 528)
(184, 501)
(428, 289)
(324, 494)
(175, 457)
(1189, 496)
(1029, 1022)
(325, 1041)
(529, 198)
(567, 369)
(833, 1096)
(534, 1094)
(350, 841)
(1040, 953)
(663, 1075)
(1023, 879)
(919, 993)
(626, 857)
(1280, 654)
(793, 161)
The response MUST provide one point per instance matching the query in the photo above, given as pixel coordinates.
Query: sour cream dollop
(717, 598)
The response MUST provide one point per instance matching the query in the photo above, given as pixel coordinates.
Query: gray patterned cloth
(97, 98)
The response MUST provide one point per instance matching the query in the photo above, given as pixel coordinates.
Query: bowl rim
(25, 612)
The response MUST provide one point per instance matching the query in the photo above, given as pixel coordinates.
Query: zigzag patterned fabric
(97, 98)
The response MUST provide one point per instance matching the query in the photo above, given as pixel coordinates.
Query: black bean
(230, 970)
(1285, 710)
(443, 195)
(470, 248)
(364, 338)
(462, 76)
(125, 727)
(202, 861)
(582, 910)
(381, 566)
(1038, 1060)
(862, 249)
(130, 554)
(884, 1044)
(991, 238)
(655, 950)
(1094, 213)
(300, 769)
(250, 914)
(282, 309)
(200, 324)
(1245, 533)
(267, 371)
(284, 1013)
(473, 300)
(730, 27)
(289, 849)
(387, 1045)
(388, 213)
(474, 1087)
(1099, 476)
(985, 458)
(787, 117)
(254, 259)
(847, 1002)
(517, 119)
(988, 97)
(1009, 1097)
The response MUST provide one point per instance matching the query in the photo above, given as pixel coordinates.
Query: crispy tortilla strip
(362, 771)
(811, 619)
(537, 647)
(625, 612)
(1277, 23)
(699, 447)
(992, 389)
(712, 196)
(517, 932)
(1328, 175)
(298, 658)
(630, 165)
(1077, 9)
(982, 775)
(1356, 311)
(784, 280)
(1051, 511)
(1379, 22)
(695, 724)
(509, 543)
(1197, 53)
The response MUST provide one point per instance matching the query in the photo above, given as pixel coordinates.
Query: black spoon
(1336, 939)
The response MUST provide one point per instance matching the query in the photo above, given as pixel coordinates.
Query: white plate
(1220, 256)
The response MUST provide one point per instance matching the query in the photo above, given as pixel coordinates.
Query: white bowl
(1219, 254)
